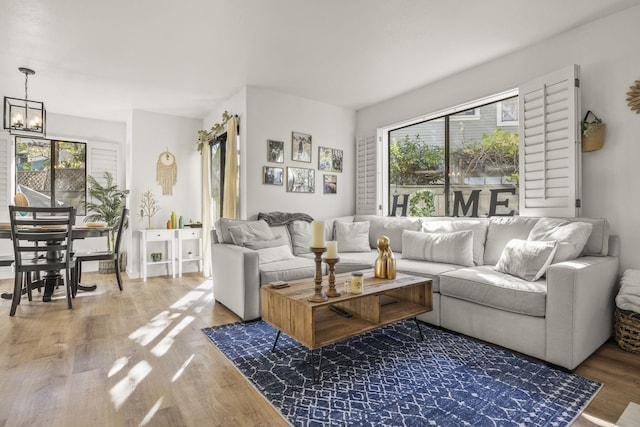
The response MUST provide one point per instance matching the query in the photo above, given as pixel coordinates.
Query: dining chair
(42, 242)
(113, 255)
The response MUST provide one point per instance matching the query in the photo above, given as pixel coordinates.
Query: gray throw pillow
(249, 232)
(352, 236)
(300, 232)
(527, 259)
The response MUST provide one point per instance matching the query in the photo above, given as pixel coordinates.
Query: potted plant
(592, 133)
(105, 204)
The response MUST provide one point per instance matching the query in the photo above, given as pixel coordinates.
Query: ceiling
(102, 58)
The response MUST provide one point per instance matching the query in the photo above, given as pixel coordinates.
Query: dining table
(52, 278)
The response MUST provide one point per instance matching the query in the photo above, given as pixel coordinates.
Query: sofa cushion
(598, 242)
(274, 253)
(250, 231)
(352, 236)
(353, 261)
(278, 240)
(478, 227)
(222, 228)
(527, 259)
(484, 285)
(503, 229)
(329, 226)
(300, 232)
(448, 248)
(291, 269)
(389, 226)
(432, 270)
(571, 236)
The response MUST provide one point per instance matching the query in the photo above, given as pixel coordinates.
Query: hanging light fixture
(22, 116)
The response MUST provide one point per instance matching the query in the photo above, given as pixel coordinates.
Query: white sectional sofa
(561, 318)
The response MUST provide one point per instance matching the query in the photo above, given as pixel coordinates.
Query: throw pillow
(250, 231)
(352, 236)
(527, 259)
(449, 248)
(478, 227)
(571, 236)
(273, 254)
(300, 237)
(278, 240)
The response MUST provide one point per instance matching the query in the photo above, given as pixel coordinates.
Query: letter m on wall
(550, 160)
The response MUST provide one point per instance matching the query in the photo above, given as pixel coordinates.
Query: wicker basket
(627, 330)
(595, 140)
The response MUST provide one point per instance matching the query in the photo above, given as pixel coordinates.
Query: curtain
(229, 209)
(207, 213)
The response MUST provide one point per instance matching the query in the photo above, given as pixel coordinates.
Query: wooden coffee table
(315, 325)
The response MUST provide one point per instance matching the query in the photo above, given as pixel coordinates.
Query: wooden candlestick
(331, 262)
(318, 296)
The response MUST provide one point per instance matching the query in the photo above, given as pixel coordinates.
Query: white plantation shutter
(550, 158)
(366, 175)
(103, 157)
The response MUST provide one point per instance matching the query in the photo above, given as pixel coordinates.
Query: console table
(174, 249)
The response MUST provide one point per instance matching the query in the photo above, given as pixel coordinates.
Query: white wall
(606, 51)
(153, 134)
(274, 115)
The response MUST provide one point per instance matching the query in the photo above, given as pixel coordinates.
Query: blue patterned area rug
(389, 377)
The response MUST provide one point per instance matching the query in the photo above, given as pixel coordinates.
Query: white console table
(184, 235)
(175, 250)
(168, 254)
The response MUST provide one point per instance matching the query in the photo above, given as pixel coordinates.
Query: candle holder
(318, 296)
(331, 262)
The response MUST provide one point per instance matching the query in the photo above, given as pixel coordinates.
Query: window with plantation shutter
(366, 176)
(103, 157)
(550, 161)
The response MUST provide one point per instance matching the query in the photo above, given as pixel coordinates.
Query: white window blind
(366, 175)
(550, 158)
(103, 157)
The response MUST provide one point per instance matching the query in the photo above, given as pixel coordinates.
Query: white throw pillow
(478, 227)
(273, 254)
(278, 240)
(250, 231)
(449, 248)
(571, 236)
(352, 236)
(527, 259)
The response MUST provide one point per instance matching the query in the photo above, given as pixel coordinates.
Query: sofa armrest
(579, 311)
(236, 279)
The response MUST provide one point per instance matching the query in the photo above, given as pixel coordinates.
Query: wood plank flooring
(139, 357)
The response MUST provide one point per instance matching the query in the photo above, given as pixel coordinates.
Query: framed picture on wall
(275, 151)
(300, 147)
(272, 176)
(330, 184)
(329, 159)
(300, 180)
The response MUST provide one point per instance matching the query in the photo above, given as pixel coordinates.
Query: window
(51, 172)
(464, 163)
(218, 154)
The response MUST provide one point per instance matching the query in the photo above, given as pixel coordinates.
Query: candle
(317, 234)
(332, 249)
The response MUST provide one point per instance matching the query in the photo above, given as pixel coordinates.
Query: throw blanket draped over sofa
(540, 286)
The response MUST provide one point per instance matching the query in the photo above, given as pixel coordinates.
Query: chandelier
(23, 116)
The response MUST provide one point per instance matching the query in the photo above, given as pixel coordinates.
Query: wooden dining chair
(42, 242)
(113, 255)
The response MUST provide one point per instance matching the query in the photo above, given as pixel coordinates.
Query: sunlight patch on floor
(147, 333)
(187, 301)
(165, 343)
(117, 366)
(179, 372)
(151, 412)
(123, 389)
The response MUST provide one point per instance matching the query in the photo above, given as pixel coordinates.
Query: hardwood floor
(139, 357)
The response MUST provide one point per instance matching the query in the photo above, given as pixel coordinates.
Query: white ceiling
(102, 58)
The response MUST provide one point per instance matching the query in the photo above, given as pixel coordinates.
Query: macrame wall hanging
(633, 97)
(167, 172)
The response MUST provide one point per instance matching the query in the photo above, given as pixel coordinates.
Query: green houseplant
(105, 204)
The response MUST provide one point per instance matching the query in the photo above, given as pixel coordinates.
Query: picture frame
(301, 147)
(330, 183)
(300, 180)
(272, 175)
(275, 151)
(330, 159)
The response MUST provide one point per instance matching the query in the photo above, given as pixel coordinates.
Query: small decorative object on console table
(148, 207)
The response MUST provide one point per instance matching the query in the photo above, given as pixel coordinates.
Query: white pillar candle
(332, 249)
(317, 234)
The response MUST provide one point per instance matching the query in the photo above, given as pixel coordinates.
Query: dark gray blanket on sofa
(283, 218)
